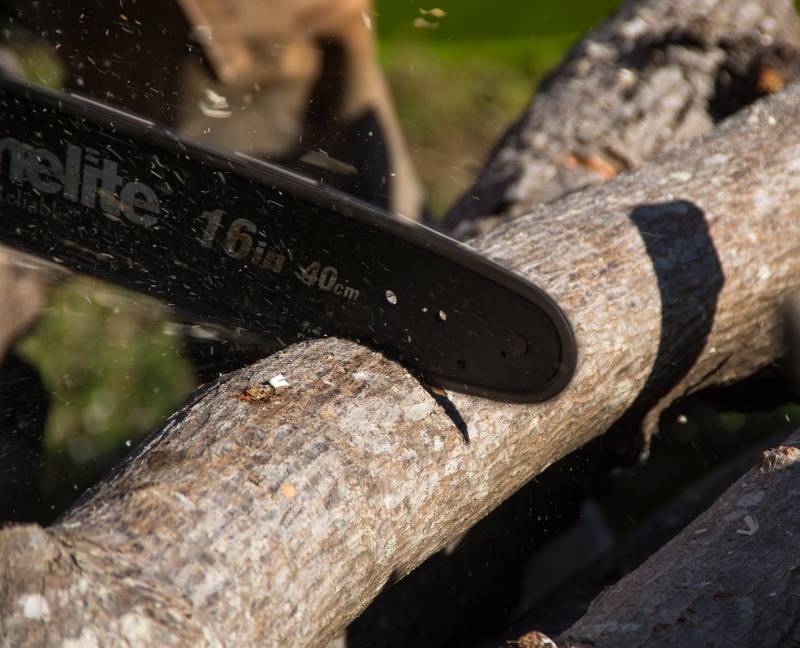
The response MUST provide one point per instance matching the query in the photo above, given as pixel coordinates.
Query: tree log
(650, 77)
(731, 578)
(560, 608)
(470, 587)
(269, 517)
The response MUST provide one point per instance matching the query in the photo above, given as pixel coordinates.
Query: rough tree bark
(662, 73)
(561, 608)
(272, 517)
(731, 578)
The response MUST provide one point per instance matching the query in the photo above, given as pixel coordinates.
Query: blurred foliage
(39, 65)
(479, 20)
(111, 361)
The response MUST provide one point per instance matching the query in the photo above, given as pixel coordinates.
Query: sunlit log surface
(269, 517)
(729, 579)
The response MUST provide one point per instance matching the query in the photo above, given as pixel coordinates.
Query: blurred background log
(730, 578)
(650, 77)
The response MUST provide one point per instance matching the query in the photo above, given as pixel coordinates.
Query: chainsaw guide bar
(247, 244)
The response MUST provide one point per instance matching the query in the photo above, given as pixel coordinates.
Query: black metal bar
(249, 244)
